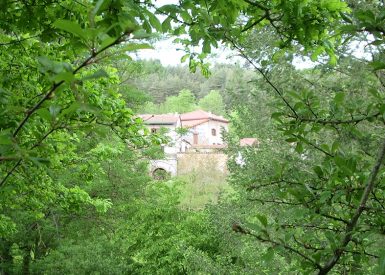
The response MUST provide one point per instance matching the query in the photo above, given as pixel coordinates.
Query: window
(213, 132)
(154, 130)
(195, 138)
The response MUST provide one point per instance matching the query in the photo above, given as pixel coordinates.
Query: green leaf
(262, 219)
(374, 92)
(269, 255)
(291, 139)
(184, 58)
(324, 196)
(317, 256)
(108, 40)
(185, 16)
(39, 161)
(45, 114)
(5, 137)
(253, 226)
(277, 116)
(70, 110)
(319, 50)
(325, 147)
(135, 47)
(318, 171)
(377, 65)
(299, 148)
(334, 5)
(335, 146)
(206, 46)
(339, 98)
(299, 105)
(332, 239)
(332, 59)
(166, 25)
(366, 16)
(351, 29)
(46, 62)
(146, 26)
(98, 7)
(155, 21)
(378, 42)
(278, 55)
(98, 74)
(63, 76)
(71, 27)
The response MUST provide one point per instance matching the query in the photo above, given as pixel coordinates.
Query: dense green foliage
(186, 102)
(75, 195)
(176, 89)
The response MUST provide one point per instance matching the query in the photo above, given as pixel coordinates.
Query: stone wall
(202, 164)
(206, 164)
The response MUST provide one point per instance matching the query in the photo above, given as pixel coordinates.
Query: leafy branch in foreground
(41, 130)
(360, 208)
(336, 129)
(47, 96)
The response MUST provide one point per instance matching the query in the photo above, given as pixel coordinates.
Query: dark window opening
(154, 130)
(213, 132)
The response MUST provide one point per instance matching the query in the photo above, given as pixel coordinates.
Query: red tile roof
(168, 119)
(248, 142)
(200, 114)
(192, 123)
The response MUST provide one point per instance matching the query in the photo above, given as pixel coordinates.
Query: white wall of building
(205, 134)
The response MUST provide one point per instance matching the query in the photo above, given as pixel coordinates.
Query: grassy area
(202, 188)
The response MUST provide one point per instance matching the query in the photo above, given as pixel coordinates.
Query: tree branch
(361, 207)
(275, 88)
(18, 40)
(48, 95)
(239, 229)
(54, 87)
(336, 121)
(255, 23)
(313, 145)
(10, 172)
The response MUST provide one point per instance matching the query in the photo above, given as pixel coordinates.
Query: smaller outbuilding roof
(248, 142)
(167, 119)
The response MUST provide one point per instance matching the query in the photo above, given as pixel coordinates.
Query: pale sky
(170, 53)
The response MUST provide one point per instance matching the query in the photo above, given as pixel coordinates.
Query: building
(169, 123)
(202, 133)
(204, 128)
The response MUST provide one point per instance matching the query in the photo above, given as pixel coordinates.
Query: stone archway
(160, 174)
(163, 169)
